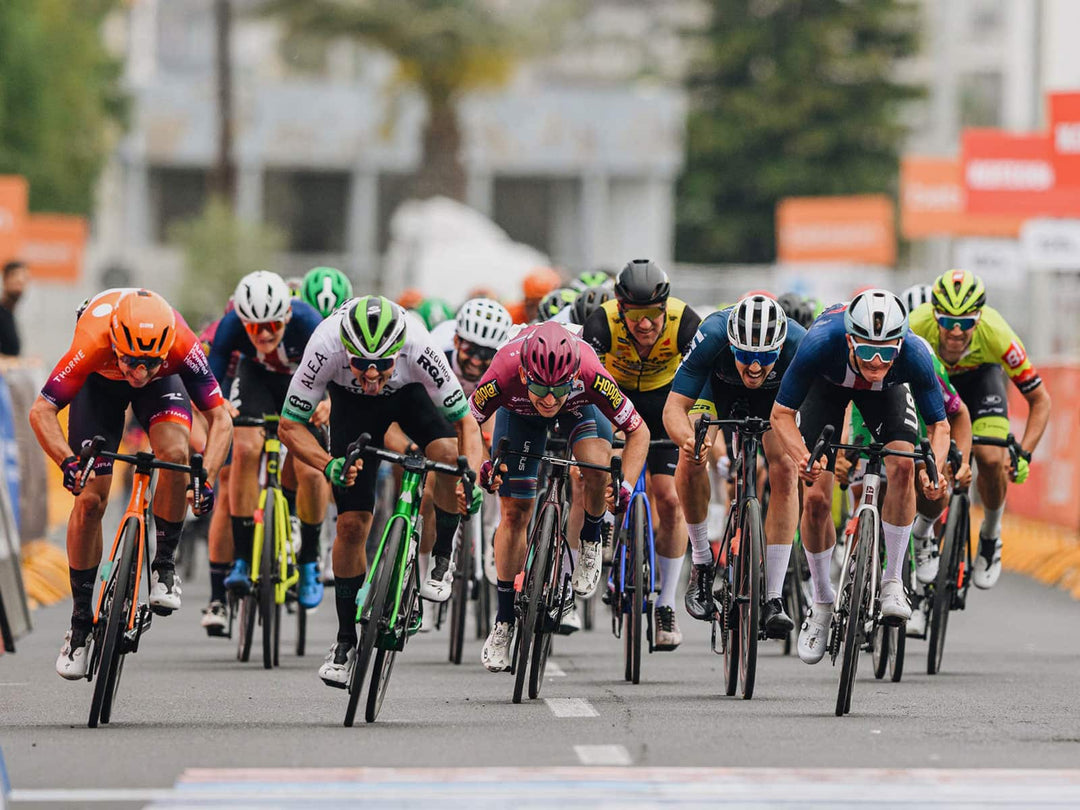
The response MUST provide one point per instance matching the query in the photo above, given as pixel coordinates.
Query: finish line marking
(571, 707)
(602, 754)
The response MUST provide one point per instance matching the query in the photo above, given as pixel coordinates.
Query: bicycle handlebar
(924, 454)
(94, 450)
(362, 446)
(614, 468)
(254, 421)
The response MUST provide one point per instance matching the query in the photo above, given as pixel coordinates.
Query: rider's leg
(992, 483)
(244, 488)
(897, 509)
(592, 444)
(84, 547)
(670, 538)
(170, 442)
(219, 539)
(350, 567)
(510, 550)
(312, 495)
(783, 516)
(694, 490)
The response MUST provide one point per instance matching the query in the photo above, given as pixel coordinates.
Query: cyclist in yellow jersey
(641, 338)
(976, 345)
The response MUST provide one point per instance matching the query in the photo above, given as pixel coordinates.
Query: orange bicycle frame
(136, 508)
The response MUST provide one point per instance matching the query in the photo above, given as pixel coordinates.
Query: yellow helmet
(958, 292)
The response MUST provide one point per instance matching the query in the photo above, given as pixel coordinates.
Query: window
(980, 99)
(185, 36)
(175, 195)
(310, 207)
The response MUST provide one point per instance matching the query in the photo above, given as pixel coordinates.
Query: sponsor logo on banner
(482, 395)
(609, 390)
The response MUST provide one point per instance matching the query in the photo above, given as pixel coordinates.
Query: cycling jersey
(91, 352)
(443, 337)
(502, 387)
(326, 361)
(606, 332)
(824, 354)
(231, 337)
(710, 356)
(992, 343)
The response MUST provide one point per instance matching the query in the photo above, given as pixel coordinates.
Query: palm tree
(445, 48)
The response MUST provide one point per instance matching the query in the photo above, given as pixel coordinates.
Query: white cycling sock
(699, 542)
(820, 562)
(991, 525)
(670, 569)
(896, 540)
(924, 526)
(776, 561)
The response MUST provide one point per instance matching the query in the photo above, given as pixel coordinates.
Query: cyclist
(555, 306)
(735, 365)
(544, 373)
(380, 366)
(797, 308)
(641, 338)
(590, 279)
(915, 296)
(538, 283)
(325, 289)
(433, 311)
(270, 329)
(130, 348)
(976, 344)
(857, 352)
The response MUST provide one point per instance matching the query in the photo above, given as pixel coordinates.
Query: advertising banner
(842, 230)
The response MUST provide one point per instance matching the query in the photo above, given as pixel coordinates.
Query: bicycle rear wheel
(376, 611)
(267, 576)
(749, 593)
(955, 543)
(116, 605)
(301, 630)
(557, 583)
(532, 590)
(634, 589)
(856, 611)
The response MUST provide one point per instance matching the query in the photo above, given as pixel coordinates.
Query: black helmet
(641, 283)
(588, 302)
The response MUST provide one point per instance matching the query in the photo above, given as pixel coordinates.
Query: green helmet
(591, 278)
(958, 292)
(434, 311)
(554, 302)
(326, 289)
(373, 327)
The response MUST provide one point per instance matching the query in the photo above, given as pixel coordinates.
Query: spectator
(14, 283)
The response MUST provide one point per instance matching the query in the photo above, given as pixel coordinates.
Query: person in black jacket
(14, 283)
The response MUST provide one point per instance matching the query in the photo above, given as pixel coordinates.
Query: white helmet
(483, 322)
(915, 295)
(262, 296)
(876, 315)
(757, 324)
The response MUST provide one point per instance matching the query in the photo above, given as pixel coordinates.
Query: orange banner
(1014, 175)
(1052, 491)
(1065, 132)
(842, 230)
(933, 199)
(14, 192)
(53, 246)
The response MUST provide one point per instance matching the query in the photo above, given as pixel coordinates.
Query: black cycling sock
(290, 499)
(345, 590)
(82, 594)
(446, 526)
(591, 527)
(505, 591)
(243, 532)
(168, 538)
(310, 533)
(218, 572)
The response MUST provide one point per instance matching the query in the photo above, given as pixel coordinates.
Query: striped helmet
(373, 327)
(958, 292)
(757, 324)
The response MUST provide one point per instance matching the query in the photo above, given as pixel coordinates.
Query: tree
(444, 48)
(60, 99)
(789, 97)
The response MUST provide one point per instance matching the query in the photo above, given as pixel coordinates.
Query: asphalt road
(188, 714)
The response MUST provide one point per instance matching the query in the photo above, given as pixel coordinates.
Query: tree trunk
(222, 180)
(441, 171)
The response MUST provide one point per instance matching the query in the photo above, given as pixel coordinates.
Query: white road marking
(571, 707)
(553, 670)
(602, 754)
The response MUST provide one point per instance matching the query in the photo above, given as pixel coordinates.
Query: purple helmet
(550, 354)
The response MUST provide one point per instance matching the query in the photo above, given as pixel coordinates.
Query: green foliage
(219, 249)
(60, 99)
(789, 98)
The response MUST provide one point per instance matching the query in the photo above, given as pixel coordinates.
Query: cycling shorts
(650, 404)
(986, 395)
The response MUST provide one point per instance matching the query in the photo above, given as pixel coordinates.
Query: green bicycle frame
(272, 489)
(406, 509)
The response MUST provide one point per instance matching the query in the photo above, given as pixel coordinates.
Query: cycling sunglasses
(381, 365)
(273, 327)
(151, 364)
(539, 390)
(867, 351)
(950, 322)
(484, 354)
(749, 358)
(641, 313)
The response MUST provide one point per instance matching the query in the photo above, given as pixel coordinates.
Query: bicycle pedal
(161, 611)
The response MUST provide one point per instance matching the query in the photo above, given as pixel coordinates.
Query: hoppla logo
(74, 361)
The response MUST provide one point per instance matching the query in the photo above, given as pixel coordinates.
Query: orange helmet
(766, 293)
(143, 325)
(410, 299)
(540, 282)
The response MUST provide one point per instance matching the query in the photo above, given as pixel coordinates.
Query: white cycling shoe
(895, 608)
(72, 662)
(814, 635)
(439, 582)
(587, 572)
(926, 560)
(496, 653)
(916, 625)
(338, 664)
(164, 590)
(987, 563)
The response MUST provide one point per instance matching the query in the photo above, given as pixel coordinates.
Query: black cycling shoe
(699, 596)
(777, 623)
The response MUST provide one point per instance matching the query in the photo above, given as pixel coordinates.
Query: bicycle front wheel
(954, 546)
(248, 609)
(384, 658)
(857, 609)
(750, 588)
(267, 561)
(117, 606)
(530, 617)
(634, 589)
(459, 598)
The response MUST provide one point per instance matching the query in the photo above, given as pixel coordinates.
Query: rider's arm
(677, 418)
(64, 382)
(938, 433)
(1038, 400)
(218, 439)
(301, 443)
(470, 442)
(784, 427)
(960, 429)
(46, 426)
(636, 449)
(227, 339)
